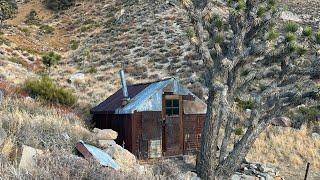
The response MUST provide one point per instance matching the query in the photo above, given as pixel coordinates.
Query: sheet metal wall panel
(193, 124)
(173, 134)
(151, 130)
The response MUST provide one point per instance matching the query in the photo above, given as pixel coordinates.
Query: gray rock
(316, 129)
(28, 158)
(281, 121)
(105, 134)
(77, 78)
(242, 177)
(315, 136)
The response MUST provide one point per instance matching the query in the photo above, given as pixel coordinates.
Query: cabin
(154, 119)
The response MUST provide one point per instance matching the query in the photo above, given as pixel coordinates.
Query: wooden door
(172, 129)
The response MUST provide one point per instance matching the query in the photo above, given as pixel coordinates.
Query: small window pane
(169, 111)
(175, 103)
(175, 111)
(168, 103)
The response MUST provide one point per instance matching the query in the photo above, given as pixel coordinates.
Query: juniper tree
(251, 62)
(8, 9)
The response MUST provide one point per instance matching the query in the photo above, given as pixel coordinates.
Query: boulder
(77, 78)
(28, 158)
(3, 135)
(316, 129)
(315, 136)
(123, 157)
(281, 121)
(191, 176)
(189, 159)
(106, 143)
(105, 134)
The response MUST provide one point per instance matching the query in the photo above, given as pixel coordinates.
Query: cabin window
(172, 107)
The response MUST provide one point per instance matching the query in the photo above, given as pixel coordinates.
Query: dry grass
(287, 147)
(55, 131)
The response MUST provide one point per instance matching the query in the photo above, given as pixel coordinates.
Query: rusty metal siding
(136, 133)
(151, 130)
(193, 124)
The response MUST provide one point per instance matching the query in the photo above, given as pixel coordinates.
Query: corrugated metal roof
(143, 97)
(114, 101)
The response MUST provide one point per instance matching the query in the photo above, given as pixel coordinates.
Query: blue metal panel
(104, 158)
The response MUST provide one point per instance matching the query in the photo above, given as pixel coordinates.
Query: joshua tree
(253, 64)
(8, 9)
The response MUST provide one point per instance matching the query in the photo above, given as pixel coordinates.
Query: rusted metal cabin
(154, 119)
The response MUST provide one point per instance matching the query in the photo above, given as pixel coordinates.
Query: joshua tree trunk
(237, 57)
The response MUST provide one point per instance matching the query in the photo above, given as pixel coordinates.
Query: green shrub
(290, 37)
(45, 89)
(50, 59)
(32, 18)
(92, 70)
(261, 11)
(238, 131)
(310, 113)
(57, 5)
(291, 27)
(272, 35)
(302, 50)
(46, 29)
(245, 104)
(189, 33)
(74, 44)
(307, 31)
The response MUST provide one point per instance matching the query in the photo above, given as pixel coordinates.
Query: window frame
(175, 110)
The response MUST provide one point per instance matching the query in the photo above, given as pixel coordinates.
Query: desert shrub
(32, 18)
(189, 33)
(50, 59)
(310, 113)
(272, 35)
(74, 44)
(238, 131)
(57, 5)
(290, 37)
(291, 27)
(307, 31)
(24, 30)
(46, 29)
(45, 89)
(4, 41)
(92, 70)
(245, 104)
(8, 9)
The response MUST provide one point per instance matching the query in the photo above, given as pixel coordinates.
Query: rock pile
(123, 157)
(251, 171)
